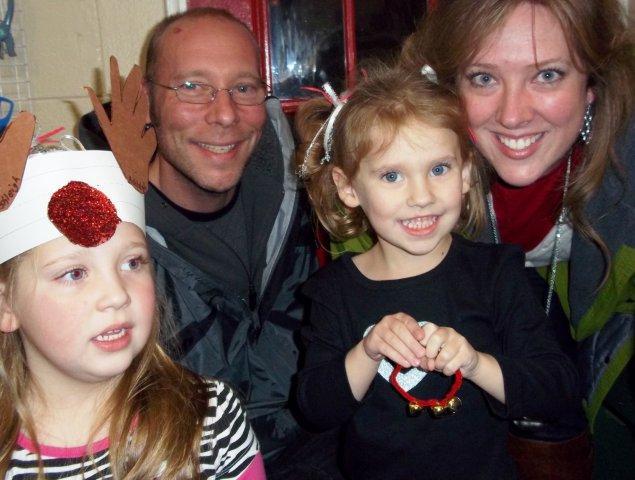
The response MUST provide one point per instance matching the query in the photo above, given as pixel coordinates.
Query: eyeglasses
(247, 93)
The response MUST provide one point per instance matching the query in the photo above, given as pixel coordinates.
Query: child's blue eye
(73, 275)
(439, 170)
(391, 177)
(133, 264)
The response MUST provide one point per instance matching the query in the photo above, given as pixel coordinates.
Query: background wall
(69, 43)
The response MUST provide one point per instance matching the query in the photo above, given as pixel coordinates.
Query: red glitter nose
(83, 214)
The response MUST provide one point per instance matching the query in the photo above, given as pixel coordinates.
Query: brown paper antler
(131, 143)
(14, 150)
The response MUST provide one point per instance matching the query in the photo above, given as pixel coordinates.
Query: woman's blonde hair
(601, 45)
(385, 101)
(156, 410)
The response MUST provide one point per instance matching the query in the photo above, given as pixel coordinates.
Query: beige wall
(69, 43)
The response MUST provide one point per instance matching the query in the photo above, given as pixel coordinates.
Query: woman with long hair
(548, 86)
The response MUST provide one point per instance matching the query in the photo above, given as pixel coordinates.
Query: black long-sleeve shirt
(482, 292)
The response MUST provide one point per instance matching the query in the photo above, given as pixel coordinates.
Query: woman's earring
(585, 131)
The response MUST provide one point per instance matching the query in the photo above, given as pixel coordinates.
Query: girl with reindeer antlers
(85, 389)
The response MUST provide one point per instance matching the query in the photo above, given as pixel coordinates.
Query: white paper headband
(26, 223)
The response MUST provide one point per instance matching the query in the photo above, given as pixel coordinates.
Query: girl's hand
(447, 351)
(397, 337)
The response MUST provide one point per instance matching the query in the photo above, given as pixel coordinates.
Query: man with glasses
(227, 229)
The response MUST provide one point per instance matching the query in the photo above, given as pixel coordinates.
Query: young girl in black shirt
(394, 160)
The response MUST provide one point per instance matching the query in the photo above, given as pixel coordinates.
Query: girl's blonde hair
(385, 101)
(156, 411)
(601, 44)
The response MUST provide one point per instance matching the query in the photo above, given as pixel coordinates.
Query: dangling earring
(585, 131)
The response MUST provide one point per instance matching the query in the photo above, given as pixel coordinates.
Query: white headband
(26, 223)
(326, 127)
(428, 72)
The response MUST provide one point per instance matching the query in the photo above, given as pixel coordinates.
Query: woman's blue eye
(549, 76)
(439, 170)
(392, 177)
(480, 79)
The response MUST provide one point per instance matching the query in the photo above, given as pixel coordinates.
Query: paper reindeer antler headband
(82, 195)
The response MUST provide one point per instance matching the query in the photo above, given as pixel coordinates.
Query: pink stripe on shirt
(255, 470)
(62, 452)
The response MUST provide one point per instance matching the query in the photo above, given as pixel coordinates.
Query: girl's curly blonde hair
(386, 100)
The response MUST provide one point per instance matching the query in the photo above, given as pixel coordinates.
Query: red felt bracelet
(433, 402)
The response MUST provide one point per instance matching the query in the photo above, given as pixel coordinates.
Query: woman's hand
(397, 337)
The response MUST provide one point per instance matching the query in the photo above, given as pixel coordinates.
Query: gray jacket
(607, 341)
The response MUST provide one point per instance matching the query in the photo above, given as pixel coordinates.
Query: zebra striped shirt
(228, 449)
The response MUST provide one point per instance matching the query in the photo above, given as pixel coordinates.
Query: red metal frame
(350, 42)
(260, 22)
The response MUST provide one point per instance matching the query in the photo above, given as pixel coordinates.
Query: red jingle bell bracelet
(448, 405)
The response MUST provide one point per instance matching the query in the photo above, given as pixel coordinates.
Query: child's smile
(411, 192)
(420, 225)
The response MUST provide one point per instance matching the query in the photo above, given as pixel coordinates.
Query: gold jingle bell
(414, 409)
(440, 411)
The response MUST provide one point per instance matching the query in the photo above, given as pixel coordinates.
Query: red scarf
(525, 215)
